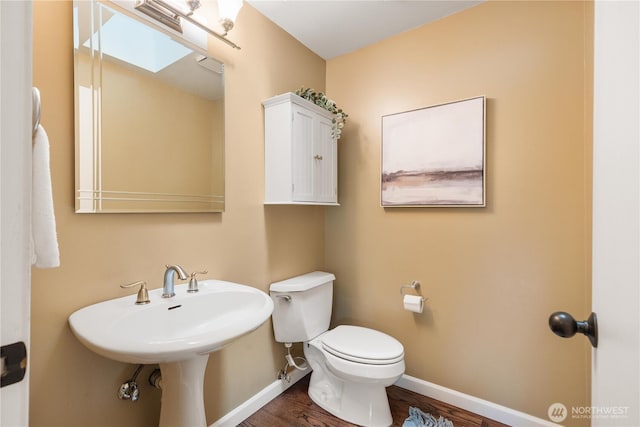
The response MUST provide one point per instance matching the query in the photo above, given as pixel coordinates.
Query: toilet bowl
(350, 377)
(352, 365)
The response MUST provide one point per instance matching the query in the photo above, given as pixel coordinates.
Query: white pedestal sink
(178, 333)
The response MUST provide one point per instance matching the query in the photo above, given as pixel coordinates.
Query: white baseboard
(264, 396)
(472, 404)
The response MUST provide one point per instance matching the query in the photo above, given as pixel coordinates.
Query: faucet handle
(143, 294)
(193, 282)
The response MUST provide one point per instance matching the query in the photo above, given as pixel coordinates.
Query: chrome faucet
(167, 288)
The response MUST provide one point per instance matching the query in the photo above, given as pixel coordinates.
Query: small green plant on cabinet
(320, 99)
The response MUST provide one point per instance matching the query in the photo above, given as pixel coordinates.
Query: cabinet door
(325, 165)
(302, 155)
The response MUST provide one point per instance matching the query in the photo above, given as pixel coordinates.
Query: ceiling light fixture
(170, 12)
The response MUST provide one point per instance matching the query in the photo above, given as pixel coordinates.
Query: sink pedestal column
(183, 393)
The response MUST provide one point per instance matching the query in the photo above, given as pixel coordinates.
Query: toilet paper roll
(413, 303)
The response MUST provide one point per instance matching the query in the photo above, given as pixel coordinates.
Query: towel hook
(35, 110)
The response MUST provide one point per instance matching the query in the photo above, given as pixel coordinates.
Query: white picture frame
(435, 156)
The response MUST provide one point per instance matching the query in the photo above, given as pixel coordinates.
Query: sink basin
(171, 329)
(178, 333)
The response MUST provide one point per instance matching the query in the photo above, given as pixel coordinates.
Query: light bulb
(228, 12)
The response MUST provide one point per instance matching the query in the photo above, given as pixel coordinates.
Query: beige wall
(249, 243)
(493, 275)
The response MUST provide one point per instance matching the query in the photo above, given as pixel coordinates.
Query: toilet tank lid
(303, 282)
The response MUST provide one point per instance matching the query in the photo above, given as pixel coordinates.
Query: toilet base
(358, 403)
(363, 402)
(353, 391)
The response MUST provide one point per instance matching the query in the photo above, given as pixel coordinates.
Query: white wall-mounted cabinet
(301, 156)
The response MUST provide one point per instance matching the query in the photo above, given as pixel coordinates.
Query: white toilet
(351, 365)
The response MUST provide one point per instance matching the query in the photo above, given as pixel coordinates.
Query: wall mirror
(149, 116)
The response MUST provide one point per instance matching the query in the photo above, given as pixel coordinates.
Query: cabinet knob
(317, 157)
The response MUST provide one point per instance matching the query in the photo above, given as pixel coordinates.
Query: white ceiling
(331, 28)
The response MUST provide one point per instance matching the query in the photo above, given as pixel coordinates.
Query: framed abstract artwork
(435, 156)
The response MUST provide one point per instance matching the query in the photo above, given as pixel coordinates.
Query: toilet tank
(302, 306)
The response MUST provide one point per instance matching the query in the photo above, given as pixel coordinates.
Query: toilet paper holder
(415, 285)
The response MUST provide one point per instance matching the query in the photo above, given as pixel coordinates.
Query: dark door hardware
(565, 326)
(14, 363)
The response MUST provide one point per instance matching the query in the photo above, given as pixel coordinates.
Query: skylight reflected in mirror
(125, 39)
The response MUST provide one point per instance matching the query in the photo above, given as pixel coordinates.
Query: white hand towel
(43, 222)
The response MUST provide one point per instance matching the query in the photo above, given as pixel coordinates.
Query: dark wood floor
(294, 408)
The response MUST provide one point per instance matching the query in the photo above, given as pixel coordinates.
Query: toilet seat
(362, 345)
